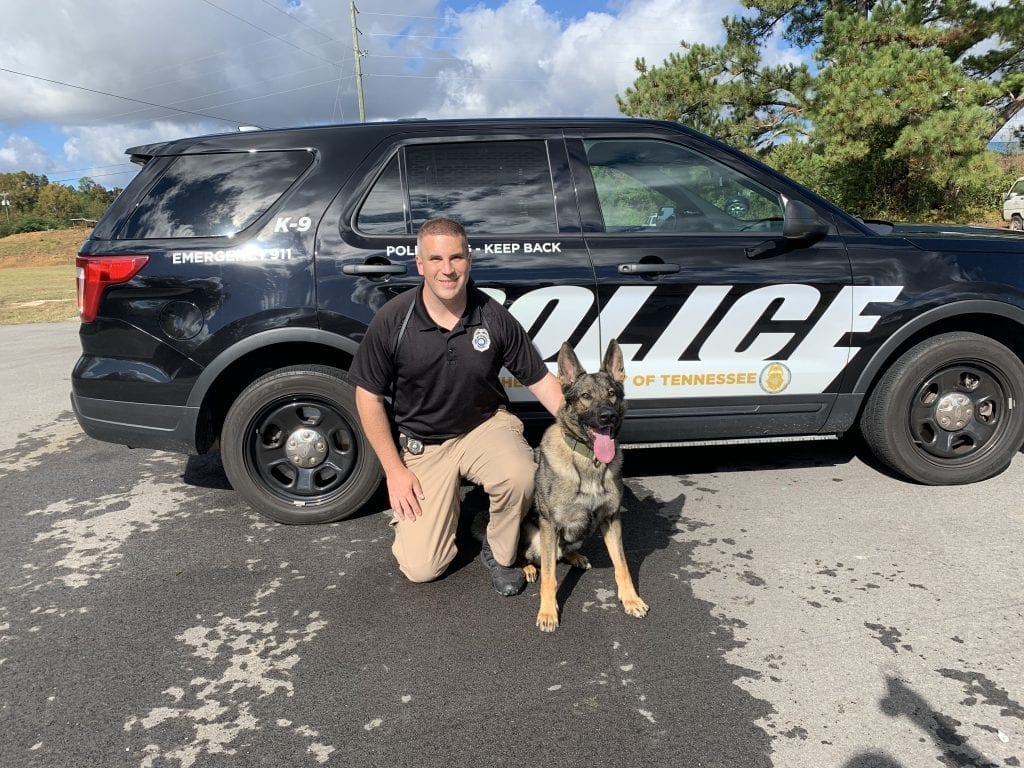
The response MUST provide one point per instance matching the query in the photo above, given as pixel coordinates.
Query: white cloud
(19, 153)
(106, 143)
(279, 63)
(517, 59)
(254, 63)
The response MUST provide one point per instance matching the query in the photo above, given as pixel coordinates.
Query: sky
(189, 67)
(83, 80)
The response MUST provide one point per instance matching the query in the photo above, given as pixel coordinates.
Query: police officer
(438, 350)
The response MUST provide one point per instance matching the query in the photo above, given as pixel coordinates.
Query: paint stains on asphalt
(248, 658)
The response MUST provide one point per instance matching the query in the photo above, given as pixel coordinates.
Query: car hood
(926, 235)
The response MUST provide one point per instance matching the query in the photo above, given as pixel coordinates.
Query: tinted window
(214, 195)
(383, 212)
(654, 186)
(491, 187)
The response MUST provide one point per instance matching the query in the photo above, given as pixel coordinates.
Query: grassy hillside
(37, 276)
(41, 249)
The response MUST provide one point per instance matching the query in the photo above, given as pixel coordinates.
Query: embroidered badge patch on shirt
(481, 340)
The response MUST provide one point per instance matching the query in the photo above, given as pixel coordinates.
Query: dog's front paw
(547, 621)
(634, 606)
(577, 560)
(530, 572)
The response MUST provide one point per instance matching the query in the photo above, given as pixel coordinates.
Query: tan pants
(495, 456)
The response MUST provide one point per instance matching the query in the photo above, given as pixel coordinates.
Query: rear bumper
(138, 425)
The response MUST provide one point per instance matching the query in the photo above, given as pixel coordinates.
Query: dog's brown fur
(577, 492)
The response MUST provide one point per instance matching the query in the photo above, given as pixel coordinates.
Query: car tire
(293, 448)
(946, 413)
(1016, 222)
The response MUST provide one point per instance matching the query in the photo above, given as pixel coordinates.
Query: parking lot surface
(806, 610)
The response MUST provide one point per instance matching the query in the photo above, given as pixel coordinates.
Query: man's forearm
(377, 428)
(549, 392)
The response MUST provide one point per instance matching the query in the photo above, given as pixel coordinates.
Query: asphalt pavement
(807, 609)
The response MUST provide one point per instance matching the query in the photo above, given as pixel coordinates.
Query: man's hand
(404, 493)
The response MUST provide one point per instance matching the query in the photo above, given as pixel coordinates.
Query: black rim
(331, 455)
(959, 412)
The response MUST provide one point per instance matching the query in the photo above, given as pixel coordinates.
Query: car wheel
(1016, 222)
(293, 448)
(946, 411)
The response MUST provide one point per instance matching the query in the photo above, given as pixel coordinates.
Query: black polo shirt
(444, 382)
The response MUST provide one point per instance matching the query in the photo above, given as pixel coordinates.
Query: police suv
(223, 295)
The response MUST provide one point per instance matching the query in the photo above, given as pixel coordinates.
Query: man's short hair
(443, 226)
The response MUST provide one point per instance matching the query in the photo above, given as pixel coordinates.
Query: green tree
(890, 115)
(22, 189)
(93, 199)
(57, 202)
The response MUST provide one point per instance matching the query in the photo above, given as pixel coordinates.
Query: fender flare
(258, 341)
(884, 354)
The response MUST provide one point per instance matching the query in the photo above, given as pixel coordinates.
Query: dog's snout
(607, 417)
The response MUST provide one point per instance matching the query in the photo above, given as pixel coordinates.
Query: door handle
(374, 269)
(648, 269)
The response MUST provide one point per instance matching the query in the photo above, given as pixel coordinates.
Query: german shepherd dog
(579, 482)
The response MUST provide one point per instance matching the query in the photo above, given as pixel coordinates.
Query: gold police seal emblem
(774, 378)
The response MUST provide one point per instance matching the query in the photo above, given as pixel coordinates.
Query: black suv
(225, 291)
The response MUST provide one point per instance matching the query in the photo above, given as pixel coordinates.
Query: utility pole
(359, 64)
(6, 204)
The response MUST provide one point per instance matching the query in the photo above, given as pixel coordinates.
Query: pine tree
(888, 112)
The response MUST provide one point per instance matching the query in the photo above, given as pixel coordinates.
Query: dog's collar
(578, 446)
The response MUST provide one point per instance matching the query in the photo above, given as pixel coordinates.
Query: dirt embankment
(42, 249)
(37, 276)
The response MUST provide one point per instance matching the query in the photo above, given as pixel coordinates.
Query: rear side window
(383, 213)
(214, 195)
(491, 187)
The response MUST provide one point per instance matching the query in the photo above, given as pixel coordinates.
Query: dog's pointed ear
(569, 368)
(613, 362)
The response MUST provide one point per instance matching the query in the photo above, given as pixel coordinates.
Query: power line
(117, 96)
(437, 77)
(94, 168)
(223, 51)
(411, 37)
(402, 15)
(264, 60)
(297, 20)
(358, 74)
(410, 57)
(91, 176)
(277, 93)
(269, 33)
(228, 90)
(173, 105)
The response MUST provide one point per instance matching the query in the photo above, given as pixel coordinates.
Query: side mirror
(801, 223)
(1006, 196)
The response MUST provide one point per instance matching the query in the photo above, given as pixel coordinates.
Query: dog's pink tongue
(604, 448)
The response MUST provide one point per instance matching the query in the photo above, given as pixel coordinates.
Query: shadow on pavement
(755, 457)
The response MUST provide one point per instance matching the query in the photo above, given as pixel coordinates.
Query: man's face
(444, 265)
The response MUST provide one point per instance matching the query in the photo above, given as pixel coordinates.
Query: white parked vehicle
(1013, 205)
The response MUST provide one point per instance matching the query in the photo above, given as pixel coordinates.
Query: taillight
(95, 273)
